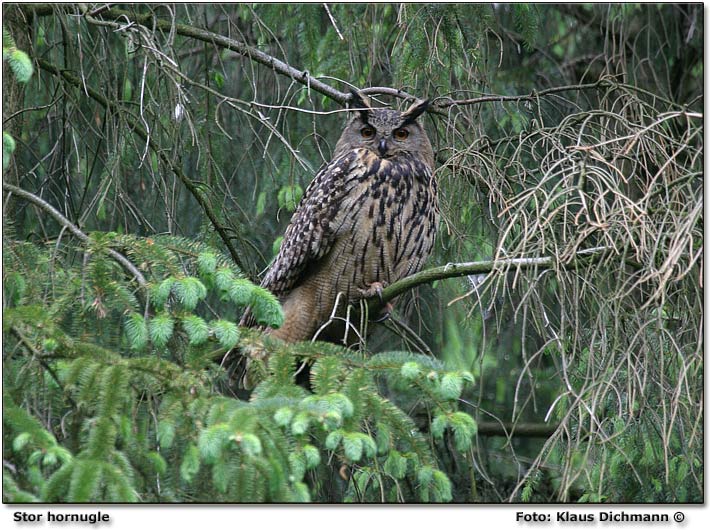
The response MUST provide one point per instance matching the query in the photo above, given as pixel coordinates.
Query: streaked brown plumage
(368, 217)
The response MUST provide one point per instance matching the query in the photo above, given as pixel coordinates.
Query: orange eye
(367, 132)
(400, 134)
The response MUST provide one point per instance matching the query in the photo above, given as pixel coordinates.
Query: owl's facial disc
(367, 132)
(390, 143)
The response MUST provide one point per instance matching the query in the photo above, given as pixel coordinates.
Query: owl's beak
(382, 147)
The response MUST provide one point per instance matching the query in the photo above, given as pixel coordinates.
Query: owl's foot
(375, 288)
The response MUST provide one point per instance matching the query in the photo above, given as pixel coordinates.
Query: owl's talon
(375, 288)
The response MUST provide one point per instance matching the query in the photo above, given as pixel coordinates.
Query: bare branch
(279, 66)
(524, 430)
(443, 103)
(332, 21)
(455, 270)
(57, 216)
(162, 154)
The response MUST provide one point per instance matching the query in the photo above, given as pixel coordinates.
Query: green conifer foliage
(138, 414)
(22, 69)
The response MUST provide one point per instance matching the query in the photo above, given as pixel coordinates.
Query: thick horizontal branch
(75, 230)
(455, 270)
(525, 430)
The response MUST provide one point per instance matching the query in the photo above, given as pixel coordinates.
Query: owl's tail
(294, 329)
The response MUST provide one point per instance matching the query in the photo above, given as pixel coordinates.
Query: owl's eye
(400, 134)
(367, 132)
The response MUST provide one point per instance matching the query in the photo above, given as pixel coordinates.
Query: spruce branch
(75, 230)
(150, 21)
(42, 359)
(302, 76)
(161, 153)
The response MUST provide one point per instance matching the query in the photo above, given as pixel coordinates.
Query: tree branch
(43, 361)
(150, 21)
(57, 216)
(526, 430)
(439, 105)
(302, 76)
(454, 270)
(161, 153)
(491, 98)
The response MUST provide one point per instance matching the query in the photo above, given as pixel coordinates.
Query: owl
(367, 219)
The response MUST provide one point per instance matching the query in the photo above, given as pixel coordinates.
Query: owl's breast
(385, 226)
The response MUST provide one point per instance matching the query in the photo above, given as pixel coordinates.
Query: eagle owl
(367, 219)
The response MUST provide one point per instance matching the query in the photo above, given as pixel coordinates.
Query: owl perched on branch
(367, 220)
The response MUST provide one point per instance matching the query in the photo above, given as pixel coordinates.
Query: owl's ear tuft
(413, 112)
(361, 103)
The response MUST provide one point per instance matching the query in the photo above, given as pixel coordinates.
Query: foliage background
(567, 366)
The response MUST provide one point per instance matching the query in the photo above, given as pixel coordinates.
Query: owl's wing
(312, 231)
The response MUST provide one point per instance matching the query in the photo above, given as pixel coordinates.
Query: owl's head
(387, 133)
